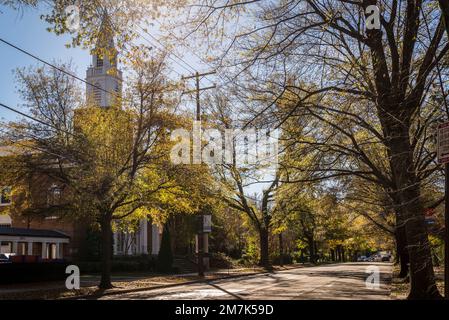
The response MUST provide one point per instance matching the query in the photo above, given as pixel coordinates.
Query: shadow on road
(225, 291)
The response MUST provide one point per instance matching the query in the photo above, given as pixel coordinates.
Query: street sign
(207, 223)
(204, 227)
(443, 143)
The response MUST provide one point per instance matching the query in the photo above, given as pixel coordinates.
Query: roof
(7, 231)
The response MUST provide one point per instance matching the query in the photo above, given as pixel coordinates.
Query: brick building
(55, 235)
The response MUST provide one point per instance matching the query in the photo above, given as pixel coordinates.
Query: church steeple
(104, 73)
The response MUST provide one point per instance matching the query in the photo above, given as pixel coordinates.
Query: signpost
(204, 228)
(443, 158)
(207, 223)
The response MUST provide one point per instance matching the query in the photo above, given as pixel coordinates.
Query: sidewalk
(123, 283)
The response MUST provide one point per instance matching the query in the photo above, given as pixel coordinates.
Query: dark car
(4, 258)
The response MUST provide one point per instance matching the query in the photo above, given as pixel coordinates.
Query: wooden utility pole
(202, 237)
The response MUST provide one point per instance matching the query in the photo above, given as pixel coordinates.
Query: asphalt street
(336, 281)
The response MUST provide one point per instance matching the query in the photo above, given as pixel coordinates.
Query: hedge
(12, 273)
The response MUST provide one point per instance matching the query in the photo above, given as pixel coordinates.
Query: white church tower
(103, 72)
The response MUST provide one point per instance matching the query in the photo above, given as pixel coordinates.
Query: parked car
(4, 258)
(362, 259)
(385, 258)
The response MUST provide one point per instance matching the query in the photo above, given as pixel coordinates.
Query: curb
(117, 292)
(112, 293)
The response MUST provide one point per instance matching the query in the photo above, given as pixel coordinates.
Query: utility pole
(203, 241)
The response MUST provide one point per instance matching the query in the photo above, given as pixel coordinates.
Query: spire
(104, 73)
(105, 39)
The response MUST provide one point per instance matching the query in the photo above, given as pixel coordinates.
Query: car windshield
(2, 256)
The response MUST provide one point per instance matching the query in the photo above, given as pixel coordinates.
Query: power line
(42, 122)
(66, 72)
(152, 44)
(56, 67)
(198, 89)
(45, 124)
(170, 51)
(33, 118)
(221, 75)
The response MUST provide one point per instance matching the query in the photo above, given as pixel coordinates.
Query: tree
(165, 256)
(235, 176)
(445, 13)
(388, 70)
(123, 14)
(113, 161)
(295, 212)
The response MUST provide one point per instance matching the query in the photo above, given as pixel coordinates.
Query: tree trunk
(264, 254)
(106, 246)
(281, 250)
(311, 245)
(401, 248)
(444, 5)
(422, 279)
(339, 257)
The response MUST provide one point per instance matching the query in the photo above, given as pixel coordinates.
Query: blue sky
(26, 30)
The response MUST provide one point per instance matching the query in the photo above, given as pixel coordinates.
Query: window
(54, 195)
(97, 93)
(120, 242)
(99, 62)
(5, 196)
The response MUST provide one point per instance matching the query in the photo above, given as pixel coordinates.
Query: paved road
(337, 281)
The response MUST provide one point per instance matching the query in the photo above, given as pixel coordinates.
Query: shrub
(165, 257)
(250, 256)
(287, 259)
(32, 272)
(121, 264)
(221, 261)
(125, 266)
